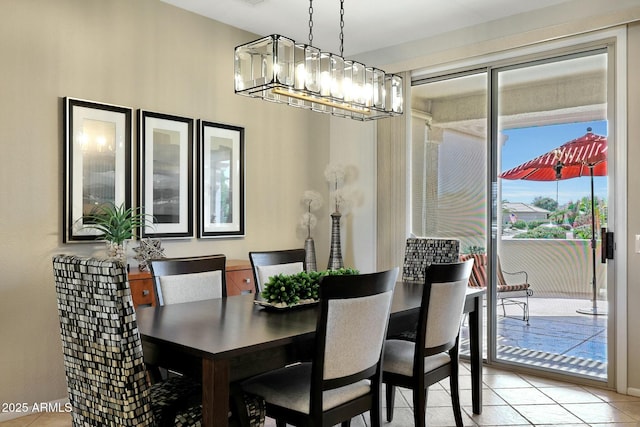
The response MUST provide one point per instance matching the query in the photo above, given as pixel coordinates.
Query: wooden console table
(239, 277)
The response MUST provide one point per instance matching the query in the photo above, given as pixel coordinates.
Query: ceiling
(368, 24)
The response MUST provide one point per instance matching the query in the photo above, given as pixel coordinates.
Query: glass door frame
(614, 40)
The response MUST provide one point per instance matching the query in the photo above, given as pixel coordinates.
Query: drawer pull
(145, 292)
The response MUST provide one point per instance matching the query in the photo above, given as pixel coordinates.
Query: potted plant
(117, 224)
(284, 290)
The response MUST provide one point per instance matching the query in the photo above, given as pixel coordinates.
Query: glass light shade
(277, 69)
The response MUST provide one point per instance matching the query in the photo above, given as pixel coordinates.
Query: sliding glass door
(551, 212)
(512, 161)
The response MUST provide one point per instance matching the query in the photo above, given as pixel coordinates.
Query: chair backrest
(442, 306)
(351, 329)
(106, 377)
(178, 280)
(478, 277)
(271, 263)
(421, 252)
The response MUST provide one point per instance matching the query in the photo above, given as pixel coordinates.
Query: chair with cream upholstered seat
(178, 280)
(434, 354)
(343, 379)
(271, 263)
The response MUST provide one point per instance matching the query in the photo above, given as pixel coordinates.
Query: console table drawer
(240, 282)
(141, 285)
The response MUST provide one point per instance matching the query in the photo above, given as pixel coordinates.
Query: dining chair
(343, 378)
(271, 263)
(434, 354)
(106, 376)
(186, 279)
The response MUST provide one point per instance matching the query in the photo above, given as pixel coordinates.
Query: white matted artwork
(166, 174)
(97, 163)
(221, 180)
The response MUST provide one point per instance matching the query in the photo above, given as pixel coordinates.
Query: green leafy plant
(474, 250)
(543, 232)
(117, 223)
(291, 289)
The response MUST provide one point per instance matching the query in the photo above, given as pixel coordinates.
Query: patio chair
(506, 291)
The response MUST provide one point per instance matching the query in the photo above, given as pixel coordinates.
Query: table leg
(215, 393)
(475, 344)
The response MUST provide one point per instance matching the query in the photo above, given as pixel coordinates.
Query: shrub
(543, 233)
(520, 225)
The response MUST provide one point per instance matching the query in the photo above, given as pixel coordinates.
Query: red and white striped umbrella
(582, 156)
(571, 160)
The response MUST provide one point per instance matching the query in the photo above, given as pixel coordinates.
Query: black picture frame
(165, 174)
(97, 157)
(221, 180)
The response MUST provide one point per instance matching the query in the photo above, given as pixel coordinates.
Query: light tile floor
(510, 399)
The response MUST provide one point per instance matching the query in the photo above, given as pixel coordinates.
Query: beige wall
(140, 54)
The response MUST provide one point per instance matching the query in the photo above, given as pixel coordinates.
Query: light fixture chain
(342, 28)
(310, 22)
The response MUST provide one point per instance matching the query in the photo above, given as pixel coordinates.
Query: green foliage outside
(545, 203)
(520, 225)
(474, 250)
(543, 232)
(574, 216)
(290, 289)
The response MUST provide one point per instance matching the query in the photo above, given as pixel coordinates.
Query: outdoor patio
(557, 337)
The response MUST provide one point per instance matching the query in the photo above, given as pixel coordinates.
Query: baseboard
(633, 392)
(24, 409)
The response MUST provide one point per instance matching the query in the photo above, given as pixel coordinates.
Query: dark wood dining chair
(343, 379)
(107, 381)
(270, 263)
(434, 354)
(186, 279)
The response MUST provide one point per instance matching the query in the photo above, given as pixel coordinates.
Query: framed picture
(221, 180)
(165, 147)
(97, 142)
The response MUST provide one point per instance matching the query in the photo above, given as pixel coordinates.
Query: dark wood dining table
(228, 339)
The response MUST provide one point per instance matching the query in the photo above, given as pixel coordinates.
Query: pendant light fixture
(276, 68)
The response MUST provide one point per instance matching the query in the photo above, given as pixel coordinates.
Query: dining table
(221, 341)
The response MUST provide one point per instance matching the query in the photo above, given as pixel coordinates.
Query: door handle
(608, 245)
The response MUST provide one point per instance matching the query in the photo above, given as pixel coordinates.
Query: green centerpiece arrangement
(287, 290)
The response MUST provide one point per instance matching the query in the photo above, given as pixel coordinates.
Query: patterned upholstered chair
(271, 263)
(434, 354)
(420, 252)
(343, 379)
(106, 376)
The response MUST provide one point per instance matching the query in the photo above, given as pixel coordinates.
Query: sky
(524, 144)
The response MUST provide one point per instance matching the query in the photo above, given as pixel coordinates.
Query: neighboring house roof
(519, 208)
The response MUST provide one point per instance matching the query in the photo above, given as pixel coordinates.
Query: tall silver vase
(335, 257)
(310, 254)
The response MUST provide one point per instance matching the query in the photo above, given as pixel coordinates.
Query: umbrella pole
(594, 308)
